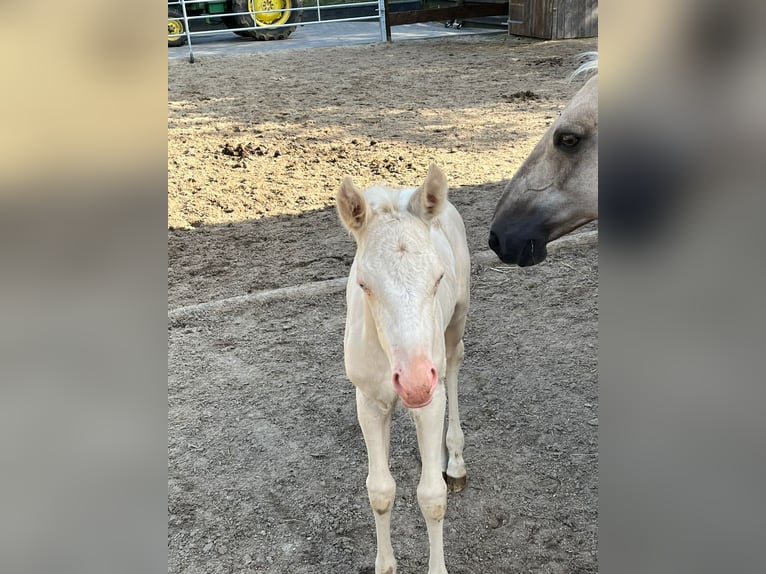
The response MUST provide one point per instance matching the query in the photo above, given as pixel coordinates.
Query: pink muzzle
(415, 381)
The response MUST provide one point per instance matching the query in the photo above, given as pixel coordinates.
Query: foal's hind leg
(455, 474)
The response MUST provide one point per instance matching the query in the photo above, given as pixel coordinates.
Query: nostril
(494, 242)
(434, 377)
(397, 382)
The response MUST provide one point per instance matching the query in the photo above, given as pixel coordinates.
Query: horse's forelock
(384, 200)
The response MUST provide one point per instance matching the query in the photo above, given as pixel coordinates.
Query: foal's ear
(351, 205)
(428, 200)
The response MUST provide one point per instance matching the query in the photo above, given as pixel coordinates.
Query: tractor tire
(176, 30)
(231, 22)
(274, 17)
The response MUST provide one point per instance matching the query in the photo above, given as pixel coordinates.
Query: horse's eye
(439, 280)
(568, 141)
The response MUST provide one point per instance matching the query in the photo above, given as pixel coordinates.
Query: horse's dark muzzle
(517, 249)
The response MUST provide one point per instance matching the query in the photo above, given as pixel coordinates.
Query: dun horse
(407, 299)
(556, 188)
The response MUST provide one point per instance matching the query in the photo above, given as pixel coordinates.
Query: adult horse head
(556, 188)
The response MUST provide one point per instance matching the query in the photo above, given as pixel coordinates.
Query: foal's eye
(568, 141)
(439, 280)
(364, 287)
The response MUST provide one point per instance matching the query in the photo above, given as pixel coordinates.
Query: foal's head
(398, 272)
(556, 188)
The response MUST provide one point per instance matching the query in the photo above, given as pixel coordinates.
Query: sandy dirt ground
(266, 461)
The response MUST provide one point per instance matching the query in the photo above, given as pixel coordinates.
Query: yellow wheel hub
(175, 29)
(272, 11)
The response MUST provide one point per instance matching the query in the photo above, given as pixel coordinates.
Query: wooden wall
(554, 19)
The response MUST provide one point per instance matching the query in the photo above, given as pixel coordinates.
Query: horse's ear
(352, 207)
(428, 200)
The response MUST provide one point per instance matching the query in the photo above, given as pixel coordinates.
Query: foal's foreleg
(381, 488)
(432, 491)
(454, 441)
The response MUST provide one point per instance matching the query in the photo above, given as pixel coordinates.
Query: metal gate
(379, 7)
(372, 10)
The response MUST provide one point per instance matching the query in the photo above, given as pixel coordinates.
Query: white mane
(589, 64)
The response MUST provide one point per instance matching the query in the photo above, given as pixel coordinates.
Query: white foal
(407, 299)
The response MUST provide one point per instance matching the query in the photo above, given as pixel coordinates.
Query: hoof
(454, 484)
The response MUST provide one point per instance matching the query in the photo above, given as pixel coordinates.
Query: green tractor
(272, 13)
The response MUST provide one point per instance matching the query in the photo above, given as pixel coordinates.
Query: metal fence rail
(379, 6)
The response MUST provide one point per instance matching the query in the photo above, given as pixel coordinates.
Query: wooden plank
(519, 16)
(575, 19)
(554, 19)
(535, 16)
(543, 19)
(451, 13)
(516, 11)
(526, 12)
(567, 16)
(591, 19)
